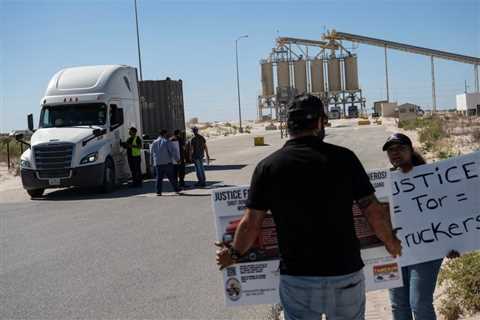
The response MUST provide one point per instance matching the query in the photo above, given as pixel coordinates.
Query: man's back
(162, 151)
(309, 186)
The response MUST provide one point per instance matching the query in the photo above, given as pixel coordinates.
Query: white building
(469, 103)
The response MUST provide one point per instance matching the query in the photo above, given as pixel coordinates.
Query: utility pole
(386, 75)
(238, 83)
(477, 83)
(434, 97)
(138, 44)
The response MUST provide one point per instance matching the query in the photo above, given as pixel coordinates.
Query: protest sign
(255, 279)
(436, 208)
(381, 270)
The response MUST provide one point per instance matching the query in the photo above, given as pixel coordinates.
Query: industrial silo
(351, 73)
(316, 74)
(267, 79)
(300, 74)
(334, 78)
(283, 74)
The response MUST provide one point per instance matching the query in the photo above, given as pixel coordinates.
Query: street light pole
(238, 82)
(138, 44)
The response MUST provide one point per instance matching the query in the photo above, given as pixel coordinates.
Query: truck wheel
(108, 177)
(35, 193)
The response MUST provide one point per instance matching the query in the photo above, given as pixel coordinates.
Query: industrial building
(325, 68)
(469, 103)
(330, 74)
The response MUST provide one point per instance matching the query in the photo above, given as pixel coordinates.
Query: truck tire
(108, 177)
(35, 193)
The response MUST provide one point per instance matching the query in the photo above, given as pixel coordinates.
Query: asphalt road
(131, 254)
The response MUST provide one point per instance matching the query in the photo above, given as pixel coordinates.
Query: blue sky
(194, 41)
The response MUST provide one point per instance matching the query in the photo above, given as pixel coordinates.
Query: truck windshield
(86, 114)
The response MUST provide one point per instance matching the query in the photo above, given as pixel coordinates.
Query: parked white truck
(85, 113)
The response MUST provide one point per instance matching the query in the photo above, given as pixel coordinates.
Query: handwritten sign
(436, 208)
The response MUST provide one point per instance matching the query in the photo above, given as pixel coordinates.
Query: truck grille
(48, 174)
(53, 160)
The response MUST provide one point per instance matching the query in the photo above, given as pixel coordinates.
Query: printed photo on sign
(265, 246)
(366, 236)
(386, 272)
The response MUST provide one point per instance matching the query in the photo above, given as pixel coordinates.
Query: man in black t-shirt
(198, 149)
(309, 186)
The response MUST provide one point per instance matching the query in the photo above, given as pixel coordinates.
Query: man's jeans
(162, 171)
(416, 296)
(338, 297)
(200, 170)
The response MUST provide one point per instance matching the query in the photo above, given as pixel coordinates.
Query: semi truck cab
(85, 114)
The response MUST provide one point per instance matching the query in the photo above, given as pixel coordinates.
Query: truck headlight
(89, 158)
(25, 164)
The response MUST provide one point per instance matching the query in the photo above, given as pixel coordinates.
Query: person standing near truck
(198, 149)
(179, 167)
(134, 150)
(309, 186)
(163, 155)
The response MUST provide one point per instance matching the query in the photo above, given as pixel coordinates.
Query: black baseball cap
(305, 107)
(397, 138)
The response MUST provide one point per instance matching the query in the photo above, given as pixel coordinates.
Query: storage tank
(351, 73)
(267, 79)
(161, 106)
(283, 74)
(334, 79)
(316, 74)
(300, 73)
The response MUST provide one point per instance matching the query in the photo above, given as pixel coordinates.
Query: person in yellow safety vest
(134, 149)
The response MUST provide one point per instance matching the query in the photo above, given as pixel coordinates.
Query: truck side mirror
(30, 122)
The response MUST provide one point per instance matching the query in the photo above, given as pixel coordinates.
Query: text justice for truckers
(408, 185)
(437, 232)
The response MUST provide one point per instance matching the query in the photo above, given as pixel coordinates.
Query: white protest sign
(436, 208)
(381, 270)
(255, 279)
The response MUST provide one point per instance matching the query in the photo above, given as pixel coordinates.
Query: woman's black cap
(397, 138)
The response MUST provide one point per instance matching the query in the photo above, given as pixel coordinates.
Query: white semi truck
(85, 114)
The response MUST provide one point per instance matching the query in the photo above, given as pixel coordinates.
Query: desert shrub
(446, 153)
(460, 278)
(412, 124)
(476, 135)
(431, 132)
(15, 149)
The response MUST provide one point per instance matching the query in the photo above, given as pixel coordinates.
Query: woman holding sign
(416, 296)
